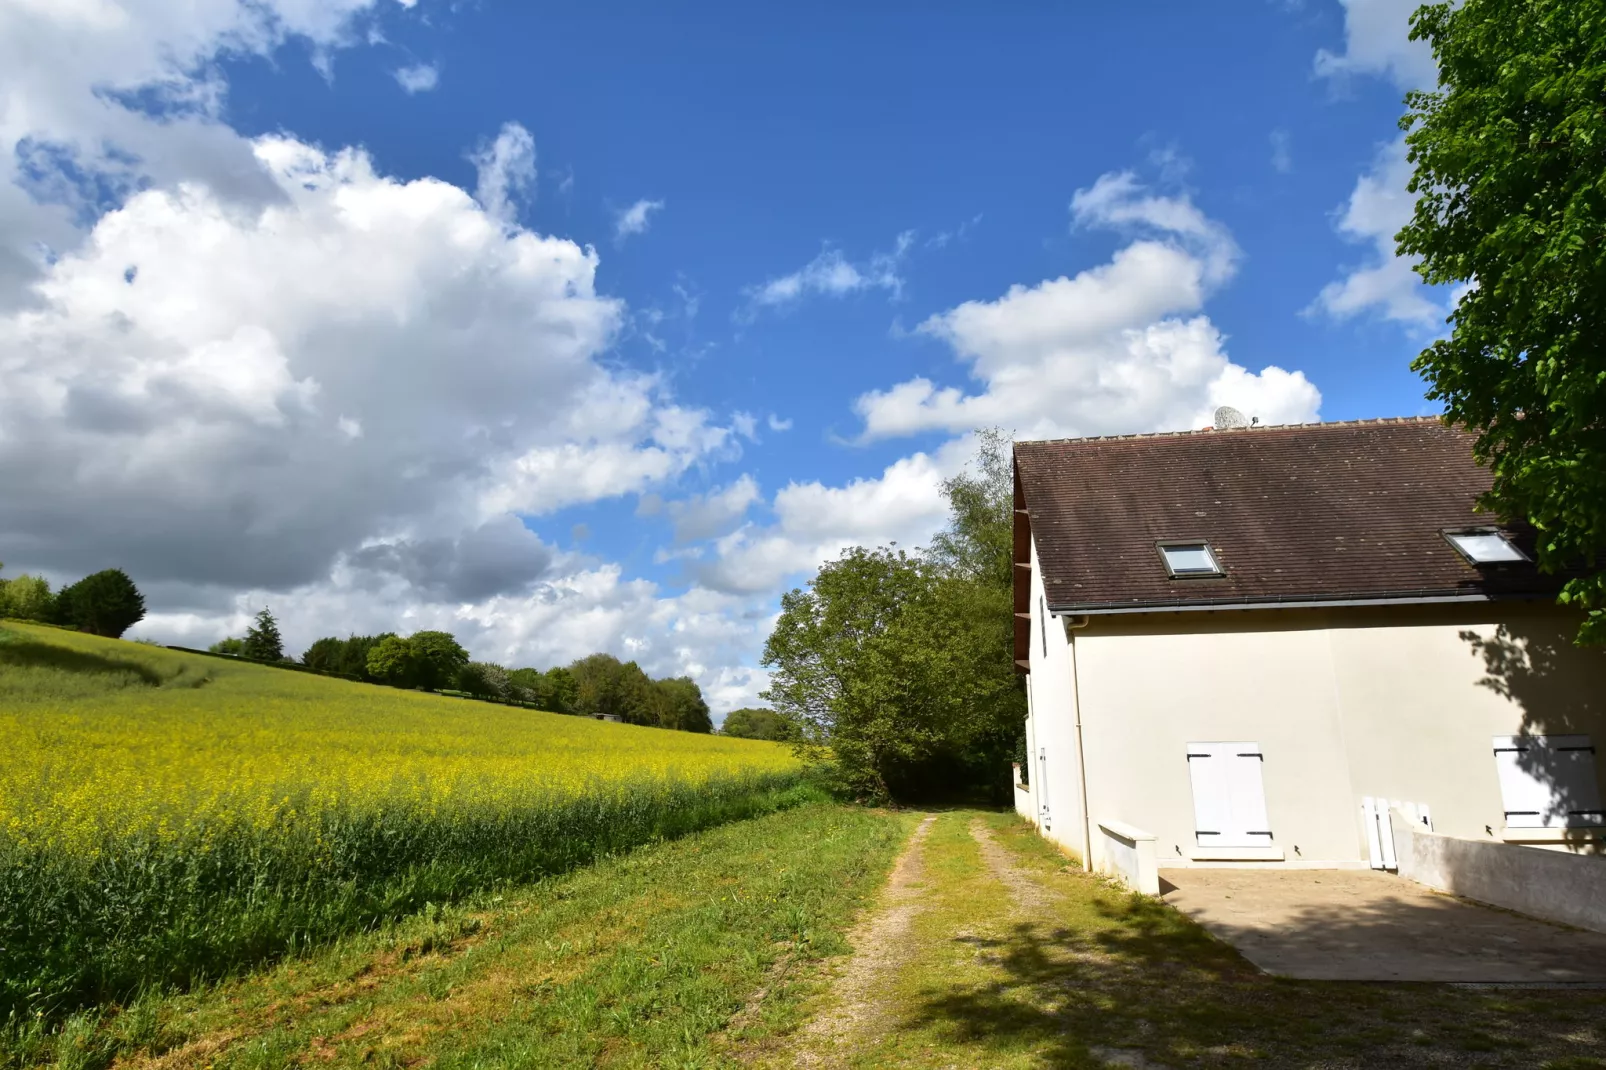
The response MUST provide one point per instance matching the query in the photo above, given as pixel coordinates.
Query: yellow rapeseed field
(253, 744)
(165, 817)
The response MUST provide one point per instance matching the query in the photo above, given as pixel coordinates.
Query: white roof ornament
(1228, 418)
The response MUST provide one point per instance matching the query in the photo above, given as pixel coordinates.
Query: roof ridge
(1314, 425)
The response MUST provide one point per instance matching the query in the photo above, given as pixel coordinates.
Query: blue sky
(598, 326)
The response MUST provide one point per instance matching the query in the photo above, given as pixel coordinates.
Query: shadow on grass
(1133, 982)
(16, 652)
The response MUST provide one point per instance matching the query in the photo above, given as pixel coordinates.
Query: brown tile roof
(1301, 513)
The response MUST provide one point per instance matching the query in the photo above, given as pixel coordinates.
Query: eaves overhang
(1225, 605)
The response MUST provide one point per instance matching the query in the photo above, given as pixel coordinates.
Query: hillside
(166, 817)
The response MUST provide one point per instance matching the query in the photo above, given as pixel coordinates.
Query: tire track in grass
(881, 942)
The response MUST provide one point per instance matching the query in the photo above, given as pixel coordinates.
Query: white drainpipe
(1071, 625)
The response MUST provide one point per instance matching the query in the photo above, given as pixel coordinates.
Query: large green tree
(1510, 181)
(440, 658)
(606, 686)
(678, 703)
(104, 603)
(899, 667)
(394, 661)
(753, 723)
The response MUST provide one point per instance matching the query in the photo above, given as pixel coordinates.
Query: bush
(27, 598)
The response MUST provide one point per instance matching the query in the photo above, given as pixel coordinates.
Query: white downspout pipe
(1071, 626)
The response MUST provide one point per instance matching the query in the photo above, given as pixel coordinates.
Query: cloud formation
(831, 274)
(1377, 43)
(506, 169)
(1116, 348)
(635, 219)
(419, 78)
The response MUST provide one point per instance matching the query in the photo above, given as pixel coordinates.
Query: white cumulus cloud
(1119, 347)
(1377, 43)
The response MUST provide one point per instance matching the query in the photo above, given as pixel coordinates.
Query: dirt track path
(881, 943)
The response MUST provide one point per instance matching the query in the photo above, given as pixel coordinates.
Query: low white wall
(1567, 888)
(1023, 797)
(1128, 853)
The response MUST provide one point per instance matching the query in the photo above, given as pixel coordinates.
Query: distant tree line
(596, 685)
(104, 603)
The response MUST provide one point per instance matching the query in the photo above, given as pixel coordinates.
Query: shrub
(27, 598)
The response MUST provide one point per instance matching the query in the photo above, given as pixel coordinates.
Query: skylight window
(1485, 547)
(1186, 559)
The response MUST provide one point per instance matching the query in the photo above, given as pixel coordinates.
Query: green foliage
(27, 598)
(394, 661)
(553, 690)
(899, 668)
(482, 679)
(106, 603)
(262, 641)
(229, 645)
(439, 658)
(678, 703)
(606, 686)
(752, 723)
(1510, 180)
(324, 655)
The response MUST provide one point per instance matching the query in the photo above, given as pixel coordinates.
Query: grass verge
(644, 959)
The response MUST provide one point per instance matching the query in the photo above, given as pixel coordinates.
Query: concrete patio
(1360, 925)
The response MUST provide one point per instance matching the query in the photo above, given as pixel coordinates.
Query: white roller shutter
(1229, 797)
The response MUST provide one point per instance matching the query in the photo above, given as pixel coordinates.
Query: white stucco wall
(1396, 702)
(1051, 734)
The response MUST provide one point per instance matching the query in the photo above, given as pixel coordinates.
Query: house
(1270, 646)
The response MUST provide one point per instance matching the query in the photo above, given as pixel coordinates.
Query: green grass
(168, 819)
(653, 958)
(1095, 973)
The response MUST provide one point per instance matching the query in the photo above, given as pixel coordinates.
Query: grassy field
(168, 818)
(676, 955)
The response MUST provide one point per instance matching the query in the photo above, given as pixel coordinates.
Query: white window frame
(1215, 572)
(1453, 537)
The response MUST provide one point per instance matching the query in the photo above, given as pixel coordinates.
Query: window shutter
(1548, 781)
(1248, 796)
(1229, 797)
(1208, 772)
